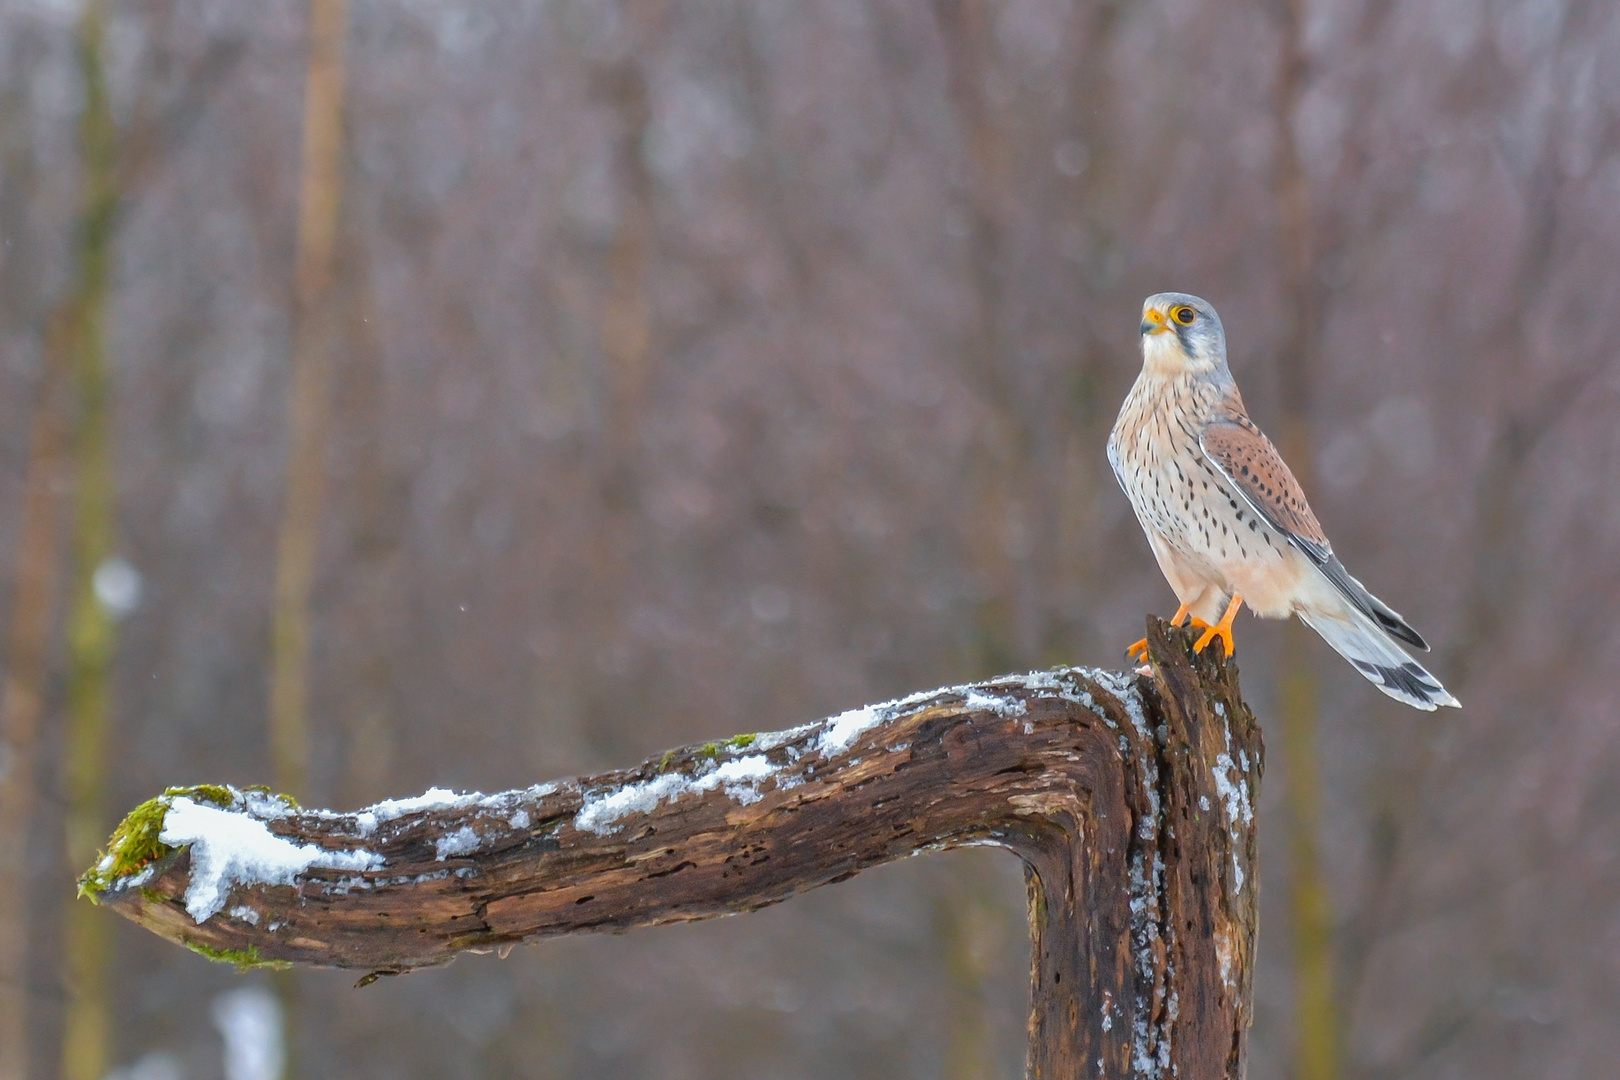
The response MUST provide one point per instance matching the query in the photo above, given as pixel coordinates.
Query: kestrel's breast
(1183, 502)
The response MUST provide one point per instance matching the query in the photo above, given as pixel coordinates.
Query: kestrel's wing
(1113, 463)
(1251, 464)
(1243, 454)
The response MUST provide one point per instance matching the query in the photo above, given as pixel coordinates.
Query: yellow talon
(1223, 633)
(1137, 650)
(1195, 622)
(1222, 629)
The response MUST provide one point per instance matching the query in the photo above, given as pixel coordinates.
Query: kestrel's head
(1181, 334)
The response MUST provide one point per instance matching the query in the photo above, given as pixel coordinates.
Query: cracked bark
(1129, 798)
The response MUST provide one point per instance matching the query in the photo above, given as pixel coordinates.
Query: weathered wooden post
(1130, 799)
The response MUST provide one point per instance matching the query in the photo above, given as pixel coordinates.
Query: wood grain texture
(1129, 798)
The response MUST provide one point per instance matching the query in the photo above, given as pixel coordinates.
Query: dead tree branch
(1129, 798)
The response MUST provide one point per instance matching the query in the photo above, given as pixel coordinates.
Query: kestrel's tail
(1356, 638)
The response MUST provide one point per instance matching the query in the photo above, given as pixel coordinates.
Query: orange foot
(1222, 629)
(1137, 650)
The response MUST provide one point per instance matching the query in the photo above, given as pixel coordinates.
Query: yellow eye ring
(1184, 315)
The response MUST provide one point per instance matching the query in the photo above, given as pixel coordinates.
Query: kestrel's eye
(1184, 315)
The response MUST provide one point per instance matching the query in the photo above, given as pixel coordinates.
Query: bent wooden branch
(1130, 799)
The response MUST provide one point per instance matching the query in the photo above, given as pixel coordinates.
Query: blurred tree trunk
(309, 416)
(626, 322)
(627, 364)
(90, 632)
(320, 194)
(379, 596)
(35, 580)
(969, 925)
(1316, 1011)
(1000, 468)
(625, 337)
(994, 484)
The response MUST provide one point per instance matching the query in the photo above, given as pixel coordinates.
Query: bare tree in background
(314, 340)
(35, 579)
(90, 628)
(309, 406)
(1316, 1008)
(22, 706)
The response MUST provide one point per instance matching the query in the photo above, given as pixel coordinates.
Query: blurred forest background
(437, 392)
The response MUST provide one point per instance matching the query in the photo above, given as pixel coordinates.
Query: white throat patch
(1162, 354)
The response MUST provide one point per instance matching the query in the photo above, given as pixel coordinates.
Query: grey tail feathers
(1366, 644)
(1382, 615)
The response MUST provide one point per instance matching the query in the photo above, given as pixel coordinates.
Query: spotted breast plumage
(1225, 517)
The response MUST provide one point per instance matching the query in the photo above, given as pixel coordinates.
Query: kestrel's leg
(1222, 629)
(1137, 650)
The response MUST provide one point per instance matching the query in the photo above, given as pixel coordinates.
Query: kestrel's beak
(1153, 322)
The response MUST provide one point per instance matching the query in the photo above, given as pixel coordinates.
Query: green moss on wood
(244, 959)
(134, 844)
(711, 751)
(218, 794)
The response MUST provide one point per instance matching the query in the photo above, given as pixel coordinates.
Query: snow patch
(846, 727)
(229, 848)
(741, 778)
(978, 699)
(1124, 688)
(770, 740)
(598, 815)
(435, 798)
(460, 842)
(1235, 796)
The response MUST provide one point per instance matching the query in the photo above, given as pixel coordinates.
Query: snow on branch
(1130, 799)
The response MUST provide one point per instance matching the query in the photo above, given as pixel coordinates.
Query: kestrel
(1227, 521)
